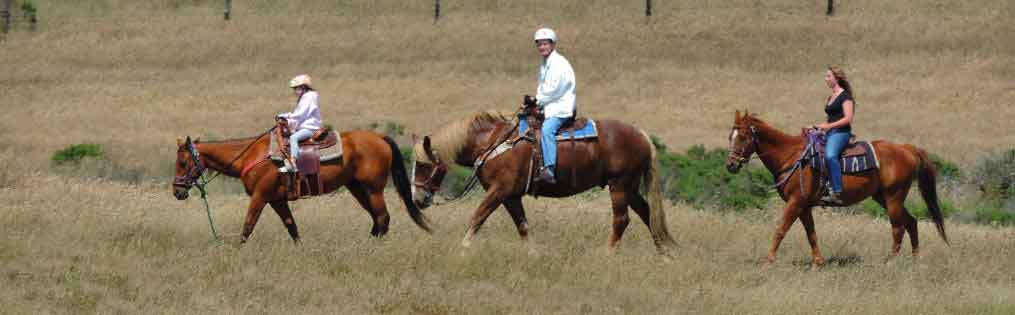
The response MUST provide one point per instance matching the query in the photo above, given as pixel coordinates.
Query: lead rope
(201, 182)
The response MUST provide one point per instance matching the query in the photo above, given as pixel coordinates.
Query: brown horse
(622, 157)
(889, 185)
(368, 158)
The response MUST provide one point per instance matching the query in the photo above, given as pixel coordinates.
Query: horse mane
(447, 142)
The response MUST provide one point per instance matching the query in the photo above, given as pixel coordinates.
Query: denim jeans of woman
(836, 141)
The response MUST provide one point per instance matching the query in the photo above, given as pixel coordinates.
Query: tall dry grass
(133, 76)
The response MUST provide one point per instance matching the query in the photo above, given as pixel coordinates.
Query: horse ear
(427, 149)
(198, 139)
(738, 115)
(188, 140)
(179, 142)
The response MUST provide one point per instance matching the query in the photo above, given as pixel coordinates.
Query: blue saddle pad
(589, 131)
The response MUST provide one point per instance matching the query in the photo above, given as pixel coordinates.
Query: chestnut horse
(621, 156)
(367, 159)
(889, 185)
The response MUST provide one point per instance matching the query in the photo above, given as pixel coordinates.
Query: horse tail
(927, 181)
(657, 215)
(402, 185)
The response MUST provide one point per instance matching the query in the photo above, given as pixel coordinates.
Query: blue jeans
(549, 141)
(294, 141)
(836, 141)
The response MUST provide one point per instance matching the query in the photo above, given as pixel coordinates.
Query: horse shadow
(841, 261)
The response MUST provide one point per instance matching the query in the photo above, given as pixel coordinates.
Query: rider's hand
(528, 100)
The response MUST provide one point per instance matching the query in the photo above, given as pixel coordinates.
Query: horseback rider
(840, 108)
(303, 121)
(554, 95)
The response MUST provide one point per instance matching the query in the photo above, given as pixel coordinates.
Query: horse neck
(776, 149)
(225, 156)
(480, 137)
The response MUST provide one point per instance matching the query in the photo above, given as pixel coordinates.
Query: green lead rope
(204, 196)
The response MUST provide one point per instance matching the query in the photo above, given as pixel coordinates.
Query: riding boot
(832, 198)
(546, 175)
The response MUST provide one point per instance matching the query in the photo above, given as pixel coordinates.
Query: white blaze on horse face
(412, 177)
(733, 135)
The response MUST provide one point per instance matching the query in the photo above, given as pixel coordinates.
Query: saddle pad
(858, 163)
(589, 131)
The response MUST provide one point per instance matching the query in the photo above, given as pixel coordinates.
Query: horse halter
(431, 184)
(189, 178)
(742, 156)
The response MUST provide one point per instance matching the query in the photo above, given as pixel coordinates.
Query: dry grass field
(133, 76)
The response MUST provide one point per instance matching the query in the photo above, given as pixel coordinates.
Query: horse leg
(489, 204)
(366, 200)
(897, 216)
(789, 215)
(514, 207)
(620, 218)
(282, 209)
(253, 214)
(807, 218)
(640, 206)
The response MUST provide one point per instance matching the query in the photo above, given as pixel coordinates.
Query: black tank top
(835, 111)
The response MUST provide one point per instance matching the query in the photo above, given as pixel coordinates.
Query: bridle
(430, 184)
(742, 156)
(189, 179)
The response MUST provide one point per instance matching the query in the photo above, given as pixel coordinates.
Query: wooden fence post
(228, 9)
(6, 15)
(831, 8)
(436, 10)
(648, 7)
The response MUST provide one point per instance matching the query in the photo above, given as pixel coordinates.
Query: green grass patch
(75, 153)
(699, 177)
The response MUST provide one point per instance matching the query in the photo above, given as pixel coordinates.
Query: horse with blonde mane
(900, 165)
(367, 160)
(621, 157)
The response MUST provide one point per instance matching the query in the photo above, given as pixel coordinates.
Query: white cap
(546, 33)
(302, 79)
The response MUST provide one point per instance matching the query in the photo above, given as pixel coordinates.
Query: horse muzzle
(181, 193)
(733, 166)
(423, 199)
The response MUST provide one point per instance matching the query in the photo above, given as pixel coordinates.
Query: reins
(200, 182)
(474, 178)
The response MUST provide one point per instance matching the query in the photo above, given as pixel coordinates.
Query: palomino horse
(363, 169)
(889, 185)
(622, 157)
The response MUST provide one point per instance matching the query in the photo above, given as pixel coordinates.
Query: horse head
(428, 172)
(188, 168)
(743, 142)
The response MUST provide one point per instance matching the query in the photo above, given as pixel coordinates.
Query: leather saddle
(306, 182)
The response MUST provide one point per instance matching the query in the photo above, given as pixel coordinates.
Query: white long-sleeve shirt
(555, 93)
(307, 114)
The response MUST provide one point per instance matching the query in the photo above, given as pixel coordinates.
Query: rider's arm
(303, 109)
(554, 86)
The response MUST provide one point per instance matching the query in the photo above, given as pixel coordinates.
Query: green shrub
(699, 177)
(995, 175)
(916, 207)
(77, 152)
(947, 170)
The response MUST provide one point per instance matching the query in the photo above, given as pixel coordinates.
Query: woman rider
(840, 108)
